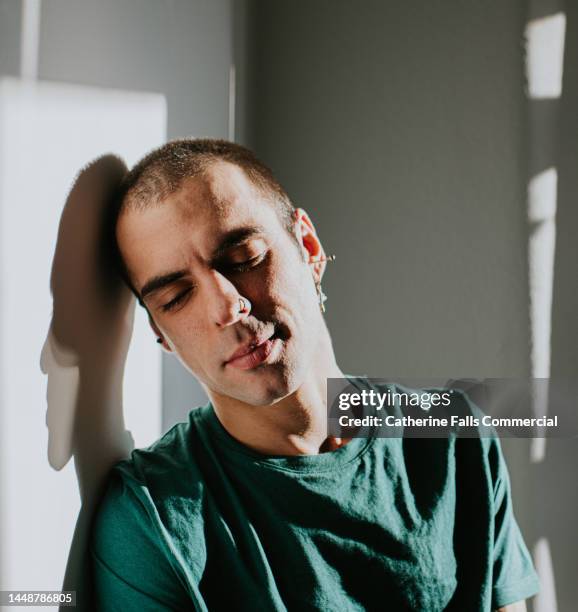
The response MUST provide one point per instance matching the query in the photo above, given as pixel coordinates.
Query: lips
(253, 354)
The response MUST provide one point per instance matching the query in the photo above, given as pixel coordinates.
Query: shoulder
(167, 453)
(168, 463)
(155, 480)
(121, 511)
(133, 484)
(148, 497)
(133, 558)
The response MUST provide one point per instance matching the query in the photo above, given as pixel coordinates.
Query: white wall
(48, 133)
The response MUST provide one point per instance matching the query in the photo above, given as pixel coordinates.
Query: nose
(225, 306)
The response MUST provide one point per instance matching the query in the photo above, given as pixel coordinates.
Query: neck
(294, 425)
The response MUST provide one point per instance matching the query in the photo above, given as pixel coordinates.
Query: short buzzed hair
(162, 172)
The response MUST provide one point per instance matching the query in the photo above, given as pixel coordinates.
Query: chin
(264, 386)
(267, 391)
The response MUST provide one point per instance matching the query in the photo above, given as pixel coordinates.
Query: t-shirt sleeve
(514, 577)
(130, 569)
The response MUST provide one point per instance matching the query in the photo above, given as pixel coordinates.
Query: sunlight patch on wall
(545, 56)
(48, 132)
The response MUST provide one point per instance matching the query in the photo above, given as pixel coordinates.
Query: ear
(159, 334)
(311, 246)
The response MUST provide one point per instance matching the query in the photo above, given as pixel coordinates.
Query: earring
(321, 296)
(159, 340)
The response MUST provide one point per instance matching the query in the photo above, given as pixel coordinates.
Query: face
(226, 287)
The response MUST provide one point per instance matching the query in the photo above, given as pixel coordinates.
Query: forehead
(219, 191)
(189, 224)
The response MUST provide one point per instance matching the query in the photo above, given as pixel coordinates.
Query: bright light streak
(545, 56)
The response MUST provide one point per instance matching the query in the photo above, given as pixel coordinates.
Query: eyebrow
(230, 240)
(235, 238)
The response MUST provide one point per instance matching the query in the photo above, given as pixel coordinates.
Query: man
(250, 505)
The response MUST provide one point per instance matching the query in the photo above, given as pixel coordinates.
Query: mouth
(255, 353)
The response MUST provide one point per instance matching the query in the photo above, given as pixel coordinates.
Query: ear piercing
(159, 340)
(327, 259)
(320, 295)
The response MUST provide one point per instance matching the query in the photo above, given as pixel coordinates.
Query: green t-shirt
(198, 521)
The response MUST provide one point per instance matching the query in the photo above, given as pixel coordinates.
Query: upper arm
(131, 570)
(514, 577)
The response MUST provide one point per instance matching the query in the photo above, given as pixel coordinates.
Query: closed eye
(248, 264)
(231, 267)
(176, 300)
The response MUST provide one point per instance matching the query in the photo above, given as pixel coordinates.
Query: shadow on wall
(85, 352)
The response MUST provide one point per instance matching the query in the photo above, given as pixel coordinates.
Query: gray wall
(180, 48)
(400, 127)
(9, 37)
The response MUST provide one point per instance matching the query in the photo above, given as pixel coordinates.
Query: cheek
(294, 288)
(193, 350)
(287, 278)
(187, 337)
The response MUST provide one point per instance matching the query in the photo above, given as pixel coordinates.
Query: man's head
(215, 251)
